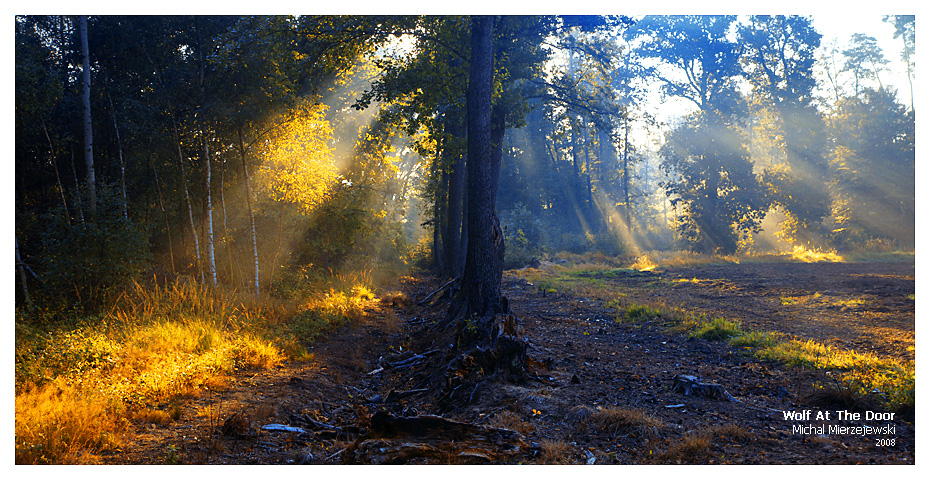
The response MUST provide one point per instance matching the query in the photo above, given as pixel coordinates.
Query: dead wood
(426, 438)
(395, 395)
(690, 385)
(438, 290)
(409, 361)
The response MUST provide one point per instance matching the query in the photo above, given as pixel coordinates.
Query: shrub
(79, 261)
(523, 237)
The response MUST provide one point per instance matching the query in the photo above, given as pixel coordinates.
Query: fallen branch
(410, 361)
(394, 395)
(277, 427)
(438, 290)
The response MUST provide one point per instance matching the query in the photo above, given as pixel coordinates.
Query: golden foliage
(298, 165)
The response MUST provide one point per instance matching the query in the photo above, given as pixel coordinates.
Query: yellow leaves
(298, 165)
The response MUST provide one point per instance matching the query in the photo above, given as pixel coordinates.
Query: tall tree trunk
(232, 270)
(88, 126)
(489, 338)
(439, 215)
(442, 222)
(248, 201)
(590, 210)
(204, 135)
(208, 217)
(187, 198)
(626, 172)
(484, 256)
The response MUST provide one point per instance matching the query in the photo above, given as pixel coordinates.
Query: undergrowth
(78, 383)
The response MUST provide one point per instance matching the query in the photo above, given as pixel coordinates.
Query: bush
(523, 237)
(79, 261)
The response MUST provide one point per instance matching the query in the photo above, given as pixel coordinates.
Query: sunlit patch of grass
(718, 329)
(785, 301)
(880, 256)
(851, 302)
(644, 264)
(75, 383)
(678, 258)
(892, 380)
(755, 339)
(62, 423)
(812, 255)
(799, 299)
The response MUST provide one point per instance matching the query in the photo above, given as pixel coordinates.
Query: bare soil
(601, 390)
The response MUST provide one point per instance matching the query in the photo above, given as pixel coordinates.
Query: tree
(713, 184)
(485, 251)
(705, 157)
(779, 60)
(872, 166)
(904, 28)
(88, 124)
(864, 59)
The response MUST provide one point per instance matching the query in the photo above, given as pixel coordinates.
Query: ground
(601, 390)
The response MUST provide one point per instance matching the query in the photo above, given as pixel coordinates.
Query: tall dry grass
(77, 384)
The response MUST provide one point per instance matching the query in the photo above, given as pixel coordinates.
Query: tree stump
(690, 385)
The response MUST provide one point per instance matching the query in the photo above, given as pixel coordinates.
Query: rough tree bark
(489, 339)
(484, 256)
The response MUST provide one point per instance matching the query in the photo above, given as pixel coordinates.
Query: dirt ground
(603, 390)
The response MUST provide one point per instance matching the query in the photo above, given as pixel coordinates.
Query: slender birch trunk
(248, 199)
(88, 125)
(204, 134)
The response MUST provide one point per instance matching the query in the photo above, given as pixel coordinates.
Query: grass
(866, 374)
(889, 380)
(692, 447)
(556, 452)
(718, 329)
(634, 312)
(78, 384)
(621, 422)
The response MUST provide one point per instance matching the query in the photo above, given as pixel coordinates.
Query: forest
(455, 239)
